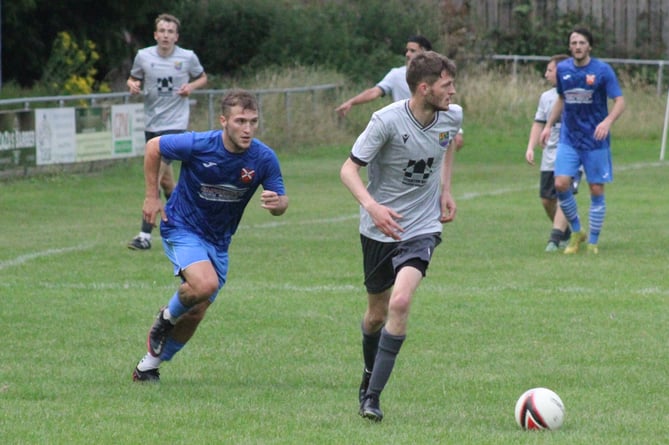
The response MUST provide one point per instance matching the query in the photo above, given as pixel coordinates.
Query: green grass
(278, 361)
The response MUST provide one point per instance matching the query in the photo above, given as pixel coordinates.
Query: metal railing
(211, 96)
(516, 59)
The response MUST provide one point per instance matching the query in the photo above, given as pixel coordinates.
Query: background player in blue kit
(220, 172)
(167, 74)
(584, 85)
(407, 149)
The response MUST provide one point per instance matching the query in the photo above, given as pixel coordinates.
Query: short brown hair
(238, 97)
(427, 67)
(168, 18)
(557, 58)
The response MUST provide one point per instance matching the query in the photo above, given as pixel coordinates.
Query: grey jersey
(404, 162)
(546, 102)
(162, 77)
(395, 83)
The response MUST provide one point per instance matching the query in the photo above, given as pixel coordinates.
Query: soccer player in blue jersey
(407, 149)
(584, 85)
(220, 172)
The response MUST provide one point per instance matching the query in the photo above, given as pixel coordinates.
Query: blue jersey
(214, 184)
(585, 90)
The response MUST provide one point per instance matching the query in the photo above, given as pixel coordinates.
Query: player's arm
(134, 85)
(604, 126)
(194, 84)
(447, 203)
(385, 219)
(366, 96)
(275, 203)
(152, 203)
(534, 140)
(552, 119)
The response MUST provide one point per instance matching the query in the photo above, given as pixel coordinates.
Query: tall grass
(495, 104)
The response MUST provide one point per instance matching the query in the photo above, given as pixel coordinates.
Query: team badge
(590, 79)
(178, 65)
(444, 140)
(247, 175)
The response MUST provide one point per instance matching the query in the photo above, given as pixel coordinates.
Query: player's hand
(602, 130)
(185, 90)
(448, 208)
(529, 156)
(269, 200)
(134, 86)
(152, 208)
(343, 109)
(385, 219)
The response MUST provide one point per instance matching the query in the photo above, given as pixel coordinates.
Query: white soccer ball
(539, 409)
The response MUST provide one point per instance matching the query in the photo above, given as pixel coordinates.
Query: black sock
(567, 234)
(370, 346)
(557, 235)
(389, 347)
(146, 227)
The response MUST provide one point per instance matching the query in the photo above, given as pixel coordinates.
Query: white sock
(144, 235)
(168, 316)
(149, 362)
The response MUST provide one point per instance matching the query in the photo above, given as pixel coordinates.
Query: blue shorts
(184, 248)
(596, 163)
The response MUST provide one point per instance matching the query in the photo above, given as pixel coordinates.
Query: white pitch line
(45, 253)
(465, 196)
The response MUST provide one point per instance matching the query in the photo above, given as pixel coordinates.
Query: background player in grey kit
(408, 151)
(560, 232)
(168, 74)
(395, 84)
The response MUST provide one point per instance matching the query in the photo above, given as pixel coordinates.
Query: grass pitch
(278, 361)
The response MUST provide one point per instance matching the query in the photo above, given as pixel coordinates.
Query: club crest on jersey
(444, 139)
(590, 79)
(178, 66)
(247, 175)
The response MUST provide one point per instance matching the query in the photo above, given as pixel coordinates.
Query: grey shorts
(382, 261)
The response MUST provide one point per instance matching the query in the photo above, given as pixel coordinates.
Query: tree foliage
(359, 38)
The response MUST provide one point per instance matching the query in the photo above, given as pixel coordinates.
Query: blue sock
(177, 309)
(570, 209)
(171, 347)
(597, 212)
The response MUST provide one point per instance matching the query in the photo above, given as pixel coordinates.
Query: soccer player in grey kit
(168, 74)
(408, 154)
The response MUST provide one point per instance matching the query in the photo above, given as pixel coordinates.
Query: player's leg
(598, 169)
(567, 163)
(143, 239)
(372, 322)
(411, 262)
(379, 277)
(203, 270)
(548, 197)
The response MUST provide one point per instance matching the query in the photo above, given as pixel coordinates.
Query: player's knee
(399, 304)
(204, 288)
(562, 184)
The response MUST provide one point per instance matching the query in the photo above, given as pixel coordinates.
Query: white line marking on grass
(45, 253)
(463, 197)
